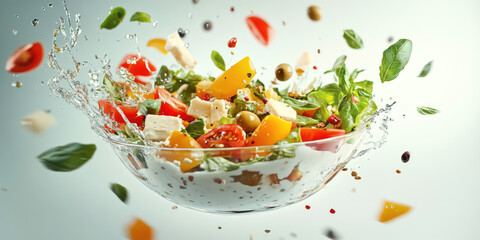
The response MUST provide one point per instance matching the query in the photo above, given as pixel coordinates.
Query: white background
(440, 182)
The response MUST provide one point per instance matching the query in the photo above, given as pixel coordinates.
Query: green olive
(283, 72)
(247, 120)
(314, 13)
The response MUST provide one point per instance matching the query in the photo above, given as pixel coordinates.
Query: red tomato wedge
(172, 106)
(229, 135)
(25, 59)
(130, 112)
(309, 113)
(312, 134)
(262, 31)
(140, 67)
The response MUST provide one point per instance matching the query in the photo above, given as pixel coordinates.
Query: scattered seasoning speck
(195, 1)
(207, 26)
(398, 171)
(50, 5)
(354, 174)
(332, 211)
(345, 169)
(190, 178)
(267, 231)
(315, 67)
(406, 157)
(232, 9)
(307, 207)
(390, 39)
(174, 207)
(219, 227)
(318, 51)
(35, 22)
(249, 75)
(17, 84)
(217, 180)
(181, 32)
(358, 177)
(284, 23)
(330, 234)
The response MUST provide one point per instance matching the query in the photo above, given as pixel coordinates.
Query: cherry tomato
(228, 135)
(262, 31)
(172, 106)
(25, 59)
(131, 112)
(312, 134)
(139, 69)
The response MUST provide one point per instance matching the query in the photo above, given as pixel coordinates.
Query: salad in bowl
(230, 143)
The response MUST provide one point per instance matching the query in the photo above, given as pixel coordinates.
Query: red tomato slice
(230, 135)
(172, 106)
(309, 113)
(130, 112)
(312, 134)
(139, 69)
(262, 31)
(25, 59)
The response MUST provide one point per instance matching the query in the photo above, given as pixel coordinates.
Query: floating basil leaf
(116, 16)
(427, 110)
(68, 157)
(299, 105)
(338, 63)
(149, 106)
(305, 121)
(112, 89)
(218, 60)
(140, 17)
(426, 69)
(394, 60)
(120, 191)
(353, 39)
(196, 128)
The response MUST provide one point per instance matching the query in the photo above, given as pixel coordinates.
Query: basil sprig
(338, 63)
(149, 106)
(353, 39)
(114, 18)
(427, 110)
(299, 104)
(305, 121)
(426, 69)
(218, 60)
(140, 17)
(120, 191)
(394, 60)
(196, 128)
(68, 157)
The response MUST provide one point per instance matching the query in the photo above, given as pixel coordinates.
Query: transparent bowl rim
(357, 132)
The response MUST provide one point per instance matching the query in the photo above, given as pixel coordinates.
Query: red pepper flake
(232, 42)
(307, 207)
(207, 97)
(315, 67)
(332, 211)
(232, 9)
(265, 100)
(267, 231)
(247, 99)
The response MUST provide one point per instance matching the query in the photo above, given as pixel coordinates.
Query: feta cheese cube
(158, 127)
(199, 108)
(38, 122)
(303, 62)
(176, 46)
(210, 112)
(218, 109)
(281, 110)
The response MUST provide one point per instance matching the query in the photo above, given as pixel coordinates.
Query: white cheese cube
(158, 127)
(303, 63)
(218, 109)
(176, 46)
(281, 110)
(199, 108)
(210, 112)
(38, 122)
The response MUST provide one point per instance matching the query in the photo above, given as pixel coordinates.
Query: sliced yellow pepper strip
(236, 77)
(271, 130)
(187, 159)
(159, 44)
(392, 210)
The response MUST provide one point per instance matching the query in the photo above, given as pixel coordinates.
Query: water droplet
(35, 22)
(111, 7)
(130, 36)
(15, 75)
(50, 5)
(17, 16)
(182, 32)
(187, 45)
(190, 15)
(17, 84)
(207, 26)
(14, 32)
(155, 24)
(43, 8)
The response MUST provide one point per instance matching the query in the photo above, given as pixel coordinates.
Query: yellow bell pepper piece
(271, 94)
(187, 159)
(271, 130)
(236, 77)
(159, 44)
(392, 210)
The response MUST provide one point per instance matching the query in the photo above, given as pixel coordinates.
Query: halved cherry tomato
(139, 68)
(262, 31)
(131, 112)
(309, 113)
(312, 134)
(178, 139)
(228, 135)
(25, 59)
(172, 106)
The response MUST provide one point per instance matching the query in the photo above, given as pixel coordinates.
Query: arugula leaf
(120, 191)
(353, 39)
(338, 63)
(112, 89)
(68, 157)
(140, 17)
(225, 120)
(305, 121)
(218, 60)
(239, 104)
(427, 110)
(282, 93)
(130, 136)
(114, 18)
(187, 94)
(394, 60)
(426, 69)
(172, 81)
(149, 106)
(253, 85)
(298, 104)
(196, 128)
(212, 164)
(322, 114)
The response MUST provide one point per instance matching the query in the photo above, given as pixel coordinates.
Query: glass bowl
(256, 187)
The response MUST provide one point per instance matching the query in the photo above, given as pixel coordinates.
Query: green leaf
(172, 81)
(305, 121)
(338, 63)
(116, 16)
(342, 75)
(283, 152)
(353, 39)
(218, 60)
(329, 94)
(363, 93)
(348, 112)
(253, 85)
(140, 17)
(426, 69)
(322, 114)
(239, 104)
(187, 94)
(112, 89)
(225, 120)
(299, 105)
(354, 74)
(282, 93)
(149, 106)
(68, 157)
(212, 164)
(427, 110)
(394, 60)
(120, 191)
(196, 128)
(367, 85)
(294, 136)
(130, 136)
